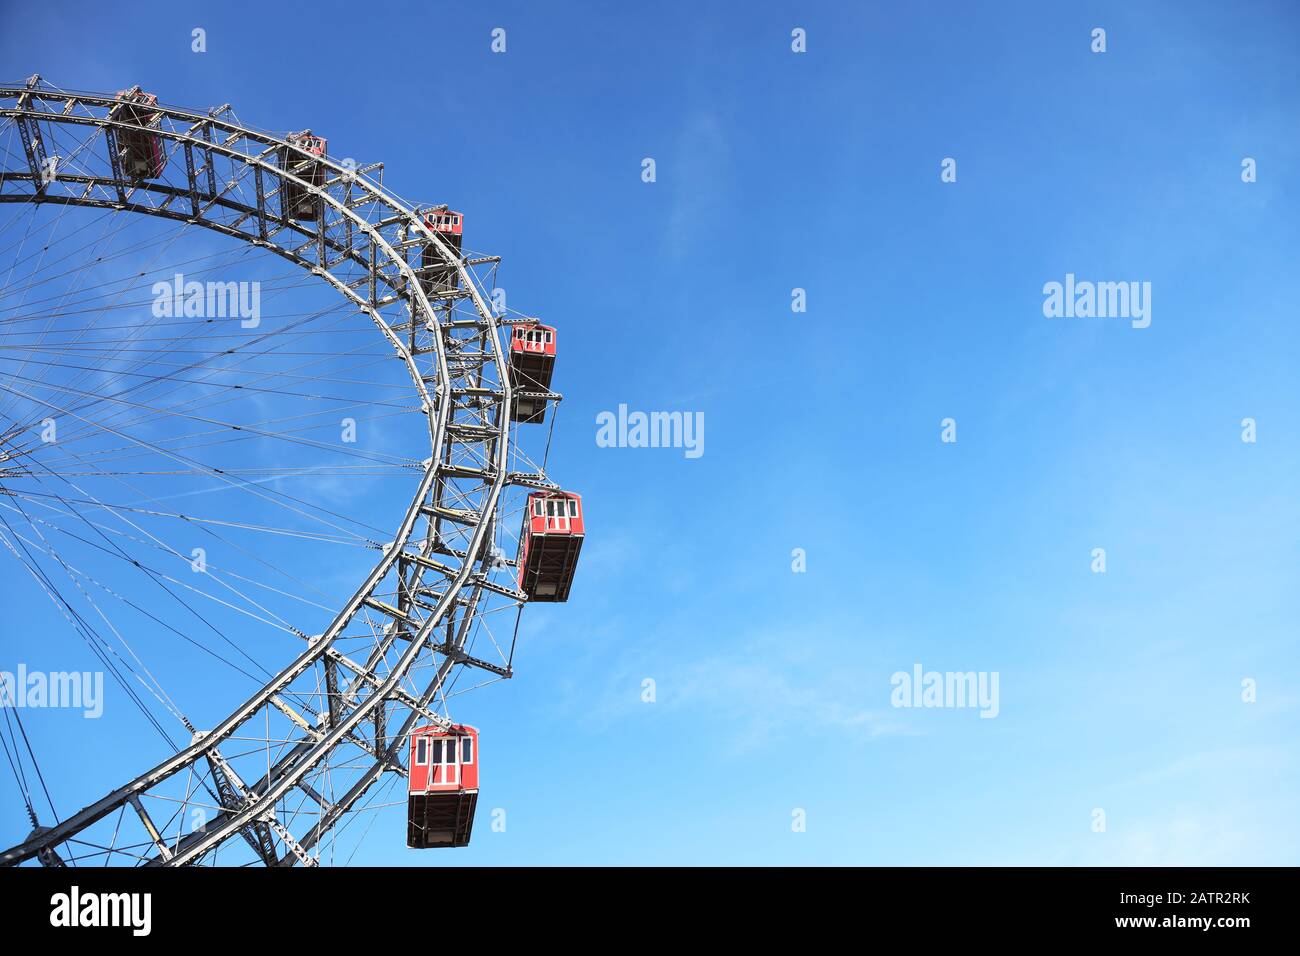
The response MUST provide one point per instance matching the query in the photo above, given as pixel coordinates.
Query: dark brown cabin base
(552, 559)
(440, 819)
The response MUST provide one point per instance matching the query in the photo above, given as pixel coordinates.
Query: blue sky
(821, 171)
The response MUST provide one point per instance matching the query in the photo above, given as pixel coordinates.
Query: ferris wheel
(260, 461)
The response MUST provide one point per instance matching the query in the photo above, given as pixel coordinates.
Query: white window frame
(451, 766)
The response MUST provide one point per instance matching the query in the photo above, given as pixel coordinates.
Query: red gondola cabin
(551, 540)
(297, 202)
(140, 150)
(532, 360)
(436, 274)
(442, 789)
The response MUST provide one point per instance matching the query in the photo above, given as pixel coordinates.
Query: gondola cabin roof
(456, 730)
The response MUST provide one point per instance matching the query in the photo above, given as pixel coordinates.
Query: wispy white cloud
(1191, 836)
(697, 175)
(760, 698)
(756, 690)
(1225, 807)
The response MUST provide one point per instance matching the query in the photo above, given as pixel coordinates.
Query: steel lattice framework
(428, 586)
